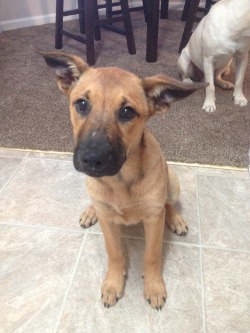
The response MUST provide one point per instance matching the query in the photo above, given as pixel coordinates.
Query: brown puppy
(128, 179)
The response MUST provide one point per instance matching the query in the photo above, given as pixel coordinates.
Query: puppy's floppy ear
(68, 68)
(162, 90)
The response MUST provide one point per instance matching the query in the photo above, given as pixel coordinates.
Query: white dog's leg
(240, 69)
(184, 64)
(227, 69)
(209, 104)
(218, 79)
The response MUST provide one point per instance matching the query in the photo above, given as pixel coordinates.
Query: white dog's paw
(240, 100)
(187, 80)
(228, 85)
(224, 84)
(209, 107)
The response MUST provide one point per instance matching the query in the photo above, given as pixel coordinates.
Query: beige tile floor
(51, 270)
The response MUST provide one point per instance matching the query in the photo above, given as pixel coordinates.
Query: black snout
(96, 156)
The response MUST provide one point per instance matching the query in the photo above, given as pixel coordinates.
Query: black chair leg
(59, 24)
(128, 27)
(186, 10)
(164, 9)
(189, 24)
(144, 5)
(208, 6)
(81, 16)
(109, 11)
(97, 28)
(89, 6)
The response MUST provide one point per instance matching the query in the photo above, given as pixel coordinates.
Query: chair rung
(201, 9)
(75, 37)
(113, 28)
(72, 12)
(135, 9)
(132, 9)
(108, 21)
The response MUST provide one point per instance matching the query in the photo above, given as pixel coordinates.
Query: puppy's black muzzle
(96, 156)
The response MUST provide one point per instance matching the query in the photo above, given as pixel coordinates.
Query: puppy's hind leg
(174, 221)
(88, 217)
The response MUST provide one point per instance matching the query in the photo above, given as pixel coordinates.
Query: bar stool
(90, 24)
(189, 14)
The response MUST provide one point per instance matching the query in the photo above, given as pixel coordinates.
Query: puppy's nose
(95, 159)
(97, 156)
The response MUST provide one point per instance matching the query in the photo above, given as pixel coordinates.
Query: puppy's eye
(126, 114)
(82, 107)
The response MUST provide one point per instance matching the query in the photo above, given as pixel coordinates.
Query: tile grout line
(36, 151)
(40, 226)
(201, 257)
(211, 247)
(14, 173)
(201, 246)
(70, 284)
(49, 158)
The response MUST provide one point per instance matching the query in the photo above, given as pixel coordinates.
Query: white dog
(221, 36)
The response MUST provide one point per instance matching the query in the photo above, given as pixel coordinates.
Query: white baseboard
(50, 18)
(29, 21)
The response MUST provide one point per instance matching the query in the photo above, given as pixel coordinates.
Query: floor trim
(31, 21)
(211, 166)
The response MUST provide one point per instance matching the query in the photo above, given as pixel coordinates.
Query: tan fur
(144, 189)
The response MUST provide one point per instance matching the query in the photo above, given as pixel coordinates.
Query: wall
(23, 13)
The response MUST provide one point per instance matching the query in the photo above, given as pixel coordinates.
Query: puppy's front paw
(88, 217)
(240, 100)
(155, 292)
(113, 290)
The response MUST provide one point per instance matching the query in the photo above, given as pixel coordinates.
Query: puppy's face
(109, 107)
(108, 110)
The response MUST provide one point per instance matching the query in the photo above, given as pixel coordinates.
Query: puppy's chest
(128, 205)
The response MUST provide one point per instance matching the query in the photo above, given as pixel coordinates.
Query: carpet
(34, 114)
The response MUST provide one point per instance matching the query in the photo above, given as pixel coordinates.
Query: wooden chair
(90, 23)
(191, 15)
